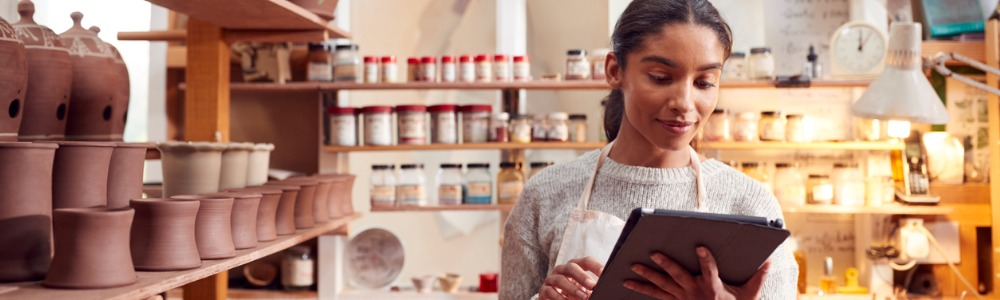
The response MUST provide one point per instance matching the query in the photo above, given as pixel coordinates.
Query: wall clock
(857, 49)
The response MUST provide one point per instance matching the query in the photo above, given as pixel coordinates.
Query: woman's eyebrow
(669, 63)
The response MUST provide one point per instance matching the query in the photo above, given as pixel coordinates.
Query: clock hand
(863, 42)
(860, 43)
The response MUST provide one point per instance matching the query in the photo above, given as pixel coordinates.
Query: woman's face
(670, 84)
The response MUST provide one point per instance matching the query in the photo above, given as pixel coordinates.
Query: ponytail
(614, 111)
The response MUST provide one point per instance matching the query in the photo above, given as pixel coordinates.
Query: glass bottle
(347, 64)
(577, 65)
(745, 127)
(449, 70)
(558, 127)
(319, 67)
(449, 182)
(736, 67)
(390, 71)
(499, 124)
(501, 67)
(819, 189)
(297, 269)
(537, 167)
(789, 185)
(539, 129)
(757, 172)
(371, 69)
(578, 128)
(848, 185)
(717, 129)
(466, 68)
(510, 182)
(478, 187)
(410, 191)
(827, 283)
(383, 186)
(484, 68)
(761, 64)
(520, 129)
(772, 126)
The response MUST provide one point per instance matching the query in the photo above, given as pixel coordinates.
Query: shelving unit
(477, 146)
(865, 210)
(889, 145)
(463, 207)
(523, 85)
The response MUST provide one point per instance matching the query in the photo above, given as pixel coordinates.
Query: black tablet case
(740, 244)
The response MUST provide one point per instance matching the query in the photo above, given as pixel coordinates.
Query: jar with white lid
(410, 190)
(444, 123)
(597, 59)
(736, 67)
(467, 68)
(849, 185)
(522, 68)
(390, 71)
(343, 128)
(558, 127)
(478, 187)
(772, 126)
(475, 123)
(744, 128)
(499, 124)
(520, 129)
(484, 68)
(540, 128)
(449, 72)
(411, 124)
(347, 64)
(501, 67)
(577, 65)
(789, 185)
(578, 128)
(449, 183)
(761, 64)
(717, 128)
(378, 125)
(383, 186)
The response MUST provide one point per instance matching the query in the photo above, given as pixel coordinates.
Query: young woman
(664, 73)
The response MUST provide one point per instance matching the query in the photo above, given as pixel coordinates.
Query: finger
(578, 274)
(678, 273)
(709, 269)
(550, 293)
(590, 264)
(567, 287)
(756, 283)
(661, 280)
(648, 290)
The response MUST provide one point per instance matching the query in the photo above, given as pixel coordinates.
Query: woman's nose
(681, 98)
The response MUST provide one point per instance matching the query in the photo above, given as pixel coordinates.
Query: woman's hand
(571, 280)
(679, 284)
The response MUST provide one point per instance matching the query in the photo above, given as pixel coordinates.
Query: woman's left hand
(679, 284)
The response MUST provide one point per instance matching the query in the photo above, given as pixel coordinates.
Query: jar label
(319, 72)
(484, 71)
(377, 129)
(444, 128)
(468, 72)
(577, 69)
(522, 71)
(474, 128)
(411, 128)
(449, 194)
(559, 133)
(509, 191)
(345, 73)
(296, 272)
(342, 130)
(520, 132)
(389, 72)
(448, 72)
(371, 73)
(598, 69)
(384, 194)
(428, 72)
(502, 72)
(539, 132)
(478, 192)
(410, 194)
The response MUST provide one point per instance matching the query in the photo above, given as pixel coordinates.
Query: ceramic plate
(374, 258)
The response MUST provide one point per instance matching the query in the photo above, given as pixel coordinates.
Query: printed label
(478, 192)
(411, 127)
(468, 72)
(383, 195)
(371, 73)
(342, 128)
(444, 128)
(559, 133)
(578, 69)
(389, 72)
(297, 272)
(484, 71)
(345, 73)
(450, 194)
(509, 191)
(410, 194)
(502, 72)
(474, 129)
(320, 72)
(448, 72)
(377, 129)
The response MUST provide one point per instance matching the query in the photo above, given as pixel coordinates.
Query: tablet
(740, 244)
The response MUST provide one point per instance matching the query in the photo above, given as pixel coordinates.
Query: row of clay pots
(70, 86)
(191, 168)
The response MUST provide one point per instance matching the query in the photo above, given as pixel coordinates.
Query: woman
(664, 73)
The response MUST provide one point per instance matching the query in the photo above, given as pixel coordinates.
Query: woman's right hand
(571, 280)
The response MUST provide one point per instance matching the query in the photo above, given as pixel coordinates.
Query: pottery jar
(266, 211)
(322, 8)
(125, 173)
(92, 98)
(244, 219)
(25, 204)
(13, 81)
(284, 218)
(80, 174)
(213, 231)
(191, 168)
(92, 248)
(50, 78)
(321, 210)
(305, 203)
(234, 165)
(259, 163)
(163, 235)
(119, 108)
(341, 190)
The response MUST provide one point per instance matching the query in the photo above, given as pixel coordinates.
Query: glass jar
(449, 182)
(558, 127)
(371, 69)
(772, 126)
(412, 69)
(410, 189)
(444, 124)
(319, 67)
(597, 59)
(347, 64)
(501, 67)
(478, 184)
(510, 182)
(448, 69)
(789, 185)
(378, 125)
(736, 67)
(498, 128)
(390, 71)
(484, 68)
(848, 185)
(343, 126)
(819, 189)
(522, 68)
(870, 129)
(467, 68)
(577, 65)
(757, 172)
(475, 123)
(799, 129)
(428, 69)
(537, 167)
(717, 128)
(761, 64)
(411, 124)
(520, 129)
(745, 127)
(578, 128)
(539, 129)
(383, 190)
(297, 269)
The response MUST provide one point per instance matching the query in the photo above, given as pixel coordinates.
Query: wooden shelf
(973, 50)
(802, 146)
(462, 207)
(271, 17)
(153, 283)
(476, 146)
(896, 209)
(527, 85)
(413, 295)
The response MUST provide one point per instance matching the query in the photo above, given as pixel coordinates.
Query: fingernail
(658, 258)
(629, 285)
(580, 294)
(702, 252)
(590, 283)
(636, 269)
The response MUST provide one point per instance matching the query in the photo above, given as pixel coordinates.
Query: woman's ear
(613, 71)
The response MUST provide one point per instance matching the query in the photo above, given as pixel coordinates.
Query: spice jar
(475, 123)
(449, 182)
(538, 166)
(444, 124)
(789, 185)
(848, 185)
(799, 129)
(597, 59)
(428, 69)
(522, 68)
(412, 69)
(757, 172)
(343, 126)
(717, 128)
(501, 67)
(378, 125)
(498, 128)
(772, 126)
(510, 182)
(558, 127)
(736, 67)
(478, 184)
(297, 269)
(761, 64)
(371, 69)
(577, 65)
(467, 69)
(819, 189)
(540, 129)
(411, 125)
(318, 67)
(484, 68)
(448, 69)
(578, 128)
(745, 127)
(383, 191)
(410, 186)
(347, 64)
(390, 71)
(520, 129)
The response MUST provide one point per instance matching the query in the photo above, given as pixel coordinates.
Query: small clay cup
(191, 168)
(321, 211)
(266, 211)
(213, 226)
(306, 203)
(234, 165)
(92, 248)
(284, 219)
(163, 234)
(50, 78)
(25, 210)
(244, 221)
(259, 163)
(125, 173)
(341, 190)
(80, 174)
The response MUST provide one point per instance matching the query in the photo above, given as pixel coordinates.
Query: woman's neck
(631, 148)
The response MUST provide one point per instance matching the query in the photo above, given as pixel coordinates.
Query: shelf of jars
(890, 209)
(526, 85)
(470, 146)
(884, 145)
(459, 207)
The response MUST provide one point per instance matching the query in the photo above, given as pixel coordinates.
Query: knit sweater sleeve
(524, 260)
(782, 278)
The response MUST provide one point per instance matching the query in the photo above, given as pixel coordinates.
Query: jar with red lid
(444, 123)
(428, 69)
(378, 125)
(501, 67)
(448, 69)
(475, 123)
(467, 68)
(343, 127)
(484, 68)
(390, 71)
(522, 69)
(371, 69)
(412, 69)
(410, 120)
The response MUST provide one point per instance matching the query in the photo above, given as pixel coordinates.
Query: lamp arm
(938, 63)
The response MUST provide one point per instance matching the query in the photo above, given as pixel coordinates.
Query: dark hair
(643, 18)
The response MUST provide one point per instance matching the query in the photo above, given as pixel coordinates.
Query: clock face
(859, 49)
(374, 258)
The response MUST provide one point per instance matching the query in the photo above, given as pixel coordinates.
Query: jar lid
(750, 164)
(347, 47)
(342, 110)
(465, 58)
(500, 57)
(477, 166)
(376, 109)
(520, 117)
(819, 176)
(442, 108)
(720, 111)
(476, 108)
(582, 117)
(411, 108)
(510, 164)
(447, 58)
(370, 59)
(738, 55)
(783, 165)
(482, 58)
(539, 164)
(558, 116)
(576, 52)
(316, 46)
(428, 59)
(412, 60)
(411, 166)
(520, 58)
(760, 50)
(795, 116)
(501, 116)
(388, 59)
(383, 167)
(770, 113)
(749, 115)
(845, 165)
(451, 166)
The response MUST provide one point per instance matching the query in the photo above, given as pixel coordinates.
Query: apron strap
(695, 166)
(589, 188)
(699, 187)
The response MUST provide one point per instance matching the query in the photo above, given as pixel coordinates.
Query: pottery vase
(341, 190)
(13, 81)
(92, 248)
(120, 80)
(50, 79)
(234, 165)
(163, 235)
(258, 164)
(322, 8)
(125, 173)
(284, 218)
(244, 217)
(213, 231)
(80, 174)
(190, 168)
(25, 210)
(305, 203)
(266, 211)
(92, 97)
(321, 211)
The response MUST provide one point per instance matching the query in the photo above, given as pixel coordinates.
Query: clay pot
(119, 108)
(50, 79)
(80, 174)
(163, 235)
(244, 219)
(306, 202)
(321, 211)
(322, 8)
(92, 98)
(266, 211)
(92, 248)
(213, 231)
(125, 173)
(25, 210)
(259, 163)
(341, 190)
(13, 81)
(234, 165)
(190, 168)
(284, 219)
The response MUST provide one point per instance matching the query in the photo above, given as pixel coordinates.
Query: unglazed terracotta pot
(163, 234)
(92, 248)
(322, 8)
(266, 211)
(125, 173)
(25, 210)
(119, 109)
(95, 84)
(13, 81)
(190, 168)
(234, 165)
(306, 202)
(259, 163)
(80, 174)
(321, 210)
(244, 219)
(341, 190)
(50, 79)
(284, 219)
(213, 226)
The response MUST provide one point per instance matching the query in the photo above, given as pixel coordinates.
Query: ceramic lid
(78, 144)
(32, 34)
(174, 146)
(82, 42)
(7, 33)
(28, 145)
(263, 147)
(114, 51)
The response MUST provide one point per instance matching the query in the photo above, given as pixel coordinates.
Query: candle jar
(449, 181)
(410, 189)
(745, 127)
(789, 185)
(717, 128)
(510, 182)
(428, 69)
(448, 69)
(412, 69)
(577, 65)
(848, 184)
(539, 129)
(578, 128)
(558, 127)
(522, 68)
(819, 189)
(798, 129)
(772, 126)
(467, 68)
(484, 68)
(390, 71)
(761, 64)
(371, 69)
(383, 186)
(736, 67)
(597, 59)
(478, 187)
(520, 129)
(502, 67)
(343, 126)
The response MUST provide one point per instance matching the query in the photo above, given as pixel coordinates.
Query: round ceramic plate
(374, 259)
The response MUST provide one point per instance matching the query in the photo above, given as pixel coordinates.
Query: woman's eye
(704, 84)
(657, 78)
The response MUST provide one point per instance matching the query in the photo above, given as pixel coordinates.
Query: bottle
(383, 190)
(510, 182)
(347, 64)
(501, 67)
(537, 167)
(319, 68)
(410, 190)
(297, 269)
(478, 187)
(428, 69)
(390, 71)
(412, 69)
(522, 68)
(449, 182)
(827, 283)
(597, 59)
(448, 69)
(539, 129)
(578, 128)
(558, 127)
(577, 65)
(371, 69)
(520, 129)
(484, 68)
(467, 69)
(499, 128)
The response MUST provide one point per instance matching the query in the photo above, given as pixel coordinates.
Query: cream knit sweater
(534, 229)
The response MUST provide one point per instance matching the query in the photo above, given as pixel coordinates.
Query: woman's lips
(677, 127)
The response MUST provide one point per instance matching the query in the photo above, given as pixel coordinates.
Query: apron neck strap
(695, 166)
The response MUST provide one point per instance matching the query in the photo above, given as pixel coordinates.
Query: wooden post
(206, 105)
(993, 108)
(209, 288)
